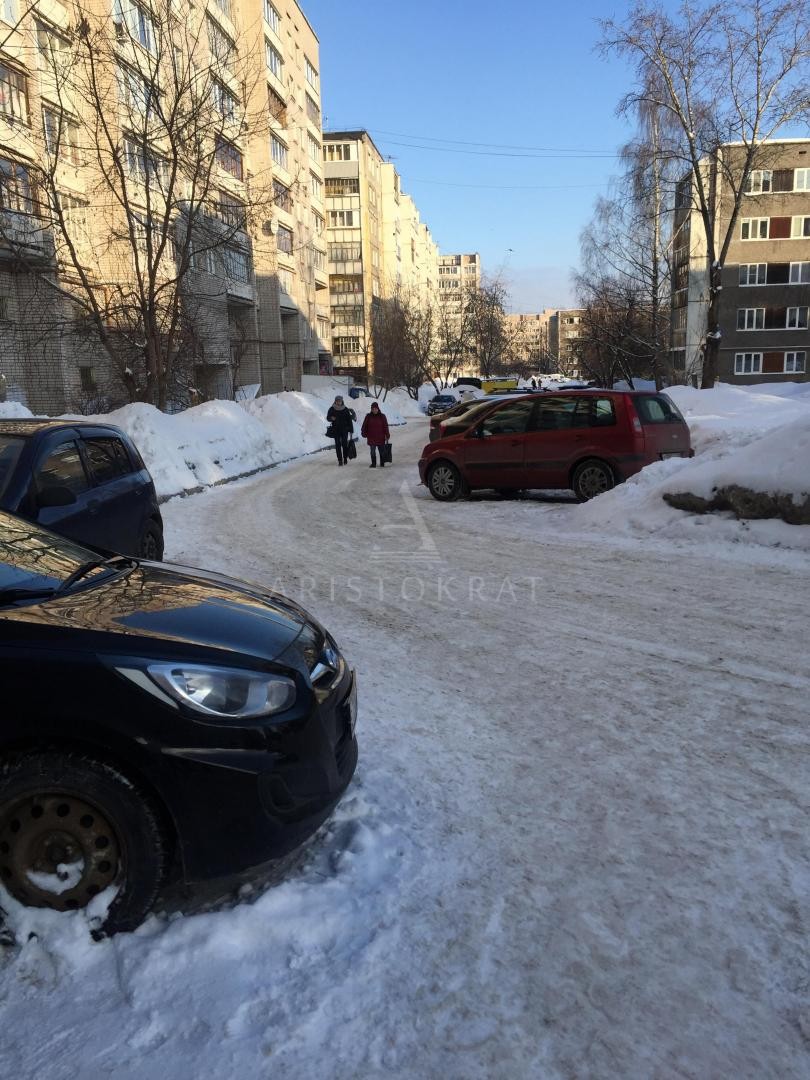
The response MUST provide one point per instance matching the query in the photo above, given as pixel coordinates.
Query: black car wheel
(592, 478)
(151, 545)
(444, 482)
(71, 827)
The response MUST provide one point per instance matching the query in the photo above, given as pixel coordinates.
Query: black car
(84, 480)
(159, 724)
(441, 403)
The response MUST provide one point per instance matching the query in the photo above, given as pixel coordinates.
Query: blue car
(83, 480)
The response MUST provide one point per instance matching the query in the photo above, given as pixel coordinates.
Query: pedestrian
(341, 421)
(375, 432)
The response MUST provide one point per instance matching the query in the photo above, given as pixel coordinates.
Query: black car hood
(175, 604)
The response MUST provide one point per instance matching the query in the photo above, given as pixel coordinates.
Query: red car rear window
(657, 409)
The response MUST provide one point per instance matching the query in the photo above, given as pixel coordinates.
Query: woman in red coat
(375, 432)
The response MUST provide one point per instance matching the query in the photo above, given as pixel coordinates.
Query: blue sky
(450, 74)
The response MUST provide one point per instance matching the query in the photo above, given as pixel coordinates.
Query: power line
(505, 187)
(499, 146)
(503, 153)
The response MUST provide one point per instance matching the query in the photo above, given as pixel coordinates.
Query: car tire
(151, 542)
(592, 478)
(70, 822)
(444, 482)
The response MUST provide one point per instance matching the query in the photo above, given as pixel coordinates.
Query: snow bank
(221, 440)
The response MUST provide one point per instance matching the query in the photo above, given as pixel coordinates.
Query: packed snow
(576, 844)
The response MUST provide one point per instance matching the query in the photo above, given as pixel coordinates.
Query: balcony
(25, 236)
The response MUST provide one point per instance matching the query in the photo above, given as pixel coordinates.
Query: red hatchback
(583, 440)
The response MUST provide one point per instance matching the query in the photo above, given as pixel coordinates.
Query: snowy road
(577, 842)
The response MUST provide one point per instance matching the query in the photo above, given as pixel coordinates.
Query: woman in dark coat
(375, 432)
(342, 421)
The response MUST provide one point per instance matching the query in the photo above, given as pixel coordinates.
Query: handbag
(330, 432)
(385, 454)
(351, 449)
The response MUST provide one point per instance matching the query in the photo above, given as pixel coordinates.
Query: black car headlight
(217, 692)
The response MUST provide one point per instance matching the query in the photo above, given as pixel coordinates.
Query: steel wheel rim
(56, 851)
(442, 480)
(593, 481)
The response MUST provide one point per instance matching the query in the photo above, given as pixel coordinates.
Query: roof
(37, 424)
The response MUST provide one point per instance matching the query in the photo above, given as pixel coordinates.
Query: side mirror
(55, 495)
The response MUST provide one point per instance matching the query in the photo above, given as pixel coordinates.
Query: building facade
(564, 333)
(253, 263)
(530, 337)
(765, 298)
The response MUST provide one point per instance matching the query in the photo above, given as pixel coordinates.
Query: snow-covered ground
(576, 844)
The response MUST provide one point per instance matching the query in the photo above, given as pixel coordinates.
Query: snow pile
(756, 437)
(221, 440)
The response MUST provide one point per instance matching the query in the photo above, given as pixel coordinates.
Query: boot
(373, 465)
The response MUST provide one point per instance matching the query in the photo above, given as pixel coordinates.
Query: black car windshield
(10, 450)
(36, 560)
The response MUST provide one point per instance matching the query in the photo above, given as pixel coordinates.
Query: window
(754, 229)
(318, 259)
(339, 285)
(344, 252)
(75, 212)
(221, 46)
(797, 318)
(8, 11)
(795, 362)
(510, 419)
(311, 73)
(61, 136)
(236, 264)
(277, 105)
(16, 189)
(53, 49)
(314, 149)
(135, 91)
(228, 157)
(318, 223)
(284, 240)
(279, 151)
(203, 261)
(316, 187)
(271, 16)
(657, 409)
(800, 273)
(759, 180)
(13, 94)
(282, 197)
(87, 378)
(747, 363)
(348, 316)
(341, 219)
(337, 152)
(108, 458)
(801, 180)
(63, 468)
(346, 346)
(751, 318)
(224, 6)
(145, 166)
(131, 20)
(753, 274)
(313, 111)
(231, 211)
(225, 103)
(273, 59)
(800, 227)
(340, 185)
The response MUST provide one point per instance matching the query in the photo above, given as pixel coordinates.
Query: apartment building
(564, 333)
(457, 273)
(353, 204)
(765, 299)
(410, 256)
(252, 254)
(530, 335)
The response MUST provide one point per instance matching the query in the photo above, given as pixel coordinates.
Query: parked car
(358, 392)
(457, 418)
(583, 440)
(159, 723)
(84, 480)
(441, 403)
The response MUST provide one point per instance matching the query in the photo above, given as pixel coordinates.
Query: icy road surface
(577, 841)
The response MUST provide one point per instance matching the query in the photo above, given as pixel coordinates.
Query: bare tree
(734, 71)
(149, 105)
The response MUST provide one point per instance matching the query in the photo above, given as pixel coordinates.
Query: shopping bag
(351, 449)
(385, 454)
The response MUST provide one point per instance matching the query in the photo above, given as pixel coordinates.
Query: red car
(583, 440)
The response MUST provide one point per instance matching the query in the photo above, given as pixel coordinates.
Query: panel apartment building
(257, 299)
(765, 298)
(377, 245)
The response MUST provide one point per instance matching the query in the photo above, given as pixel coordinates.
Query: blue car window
(63, 468)
(108, 459)
(10, 450)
